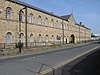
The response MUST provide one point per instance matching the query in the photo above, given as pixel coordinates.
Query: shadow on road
(89, 65)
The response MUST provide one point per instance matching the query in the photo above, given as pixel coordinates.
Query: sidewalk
(44, 49)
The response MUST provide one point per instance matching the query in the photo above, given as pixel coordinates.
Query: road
(32, 64)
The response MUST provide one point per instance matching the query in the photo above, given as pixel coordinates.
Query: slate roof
(66, 17)
(82, 26)
(35, 8)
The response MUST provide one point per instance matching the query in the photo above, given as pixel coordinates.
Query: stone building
(20, 21)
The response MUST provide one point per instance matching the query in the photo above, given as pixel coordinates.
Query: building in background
(95, 37)
(33, 26)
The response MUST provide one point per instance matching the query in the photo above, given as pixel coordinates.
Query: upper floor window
(46, 22)
(31, 18)
(39, 20)
(67, 27)
(61, 25)
(64, 26)
(52, 23)
(21, 16)
(8, 12)
(57, 24)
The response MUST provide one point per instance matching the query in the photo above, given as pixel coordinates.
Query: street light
(20, 21)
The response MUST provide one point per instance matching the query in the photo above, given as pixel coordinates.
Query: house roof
(66, 17)
(35, 8)
(82, 26)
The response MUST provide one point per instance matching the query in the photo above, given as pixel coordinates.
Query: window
(8, 38)
(39, 39)
(46, 39)
(22, 38)
(57, 24)
(52, 39)
(52, 23)
(67, 27)
(21, 16)
(64, 26)
(8, 12)
(31, 18)
(61, 25)
(31, 40)
(46, 22)
(39, 20)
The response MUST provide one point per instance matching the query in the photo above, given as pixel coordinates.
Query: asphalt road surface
(90, 65)
(31, 65)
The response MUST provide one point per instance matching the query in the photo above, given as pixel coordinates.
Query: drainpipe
(63, 31)
(26, 27)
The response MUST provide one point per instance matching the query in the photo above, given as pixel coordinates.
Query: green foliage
(18, 45)
(92, 35)
(99, 38)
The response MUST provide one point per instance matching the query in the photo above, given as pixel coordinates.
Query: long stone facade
(20, 21)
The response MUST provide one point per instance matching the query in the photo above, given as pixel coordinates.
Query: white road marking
(34, 57)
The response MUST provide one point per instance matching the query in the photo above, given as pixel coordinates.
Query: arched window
(57, 26)
(39, 20)
(52, 39)
(9, 38)
(31, 40)
(64, 26)
(40, 39)
(31, 18)
(52, 23)
(46, 39)
(67, 27)
(46, 22)
(61, 25)
(22, 38)
(21, 16)
(8, 12)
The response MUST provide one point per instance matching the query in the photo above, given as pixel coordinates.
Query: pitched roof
(35, 8)
(82, 26)
(66, 17)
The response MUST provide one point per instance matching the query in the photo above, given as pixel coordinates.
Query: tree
(92, 35)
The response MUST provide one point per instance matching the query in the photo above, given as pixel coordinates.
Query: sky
(85, 11)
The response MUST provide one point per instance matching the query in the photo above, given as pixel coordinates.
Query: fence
(31, 44)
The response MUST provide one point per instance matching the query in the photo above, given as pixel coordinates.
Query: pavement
(41, 50)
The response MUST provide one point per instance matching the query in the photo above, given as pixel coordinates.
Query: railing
(30, 44)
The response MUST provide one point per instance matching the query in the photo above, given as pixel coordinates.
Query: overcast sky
(86, 11)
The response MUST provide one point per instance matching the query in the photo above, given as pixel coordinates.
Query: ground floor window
(22, 38)
(9, 38)
(52, 39)
(31, 40)
(46, 39)
(40, 39)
